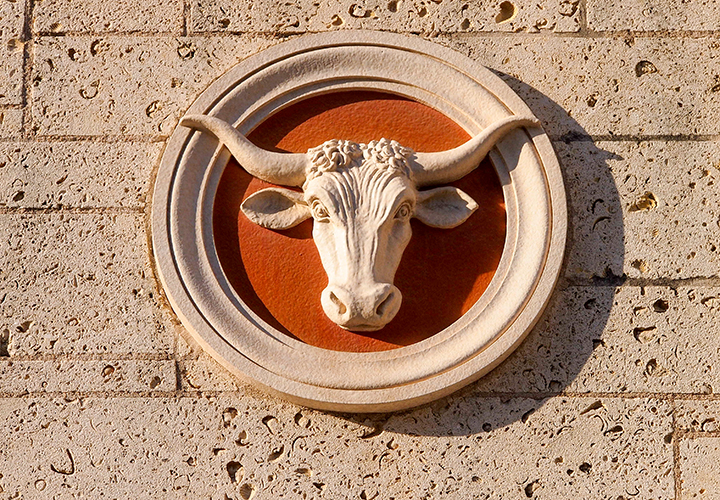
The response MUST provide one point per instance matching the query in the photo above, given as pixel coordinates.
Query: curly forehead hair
(338, 154)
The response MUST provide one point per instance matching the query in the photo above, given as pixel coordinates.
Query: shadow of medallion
(278, 274)
(570, 331)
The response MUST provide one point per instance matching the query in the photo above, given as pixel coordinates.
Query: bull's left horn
(453, 164)
(287, 169)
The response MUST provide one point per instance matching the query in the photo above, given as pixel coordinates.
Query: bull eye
(403, 212)
(319, 212)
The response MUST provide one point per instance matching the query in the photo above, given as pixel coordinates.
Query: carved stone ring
(361, 198)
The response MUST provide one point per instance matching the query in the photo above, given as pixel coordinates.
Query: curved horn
(453, 164)
(287, 169)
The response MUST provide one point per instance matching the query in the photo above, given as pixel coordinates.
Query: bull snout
(363, 309)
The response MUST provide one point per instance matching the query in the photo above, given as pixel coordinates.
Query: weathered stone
(241, 446)
(77, 284)
(416, 16)
(186, 347)
(693, 415)
(591, 339)
(698, 468)
(152, 16)
(11, 51)
(11, 123)
(76, 174)
(126, 85)
(646, 209)
(206, 374)
(78, 312)
(629, 339)
(555, 76)
(607, 86)
(198, 371)
(86, 376)
(639, 15)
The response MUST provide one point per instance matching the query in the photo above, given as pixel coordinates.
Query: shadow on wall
(551, 359)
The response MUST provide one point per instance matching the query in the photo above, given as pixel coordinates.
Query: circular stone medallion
(193, 260)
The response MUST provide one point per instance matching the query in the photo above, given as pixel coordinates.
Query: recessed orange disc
(278, 274)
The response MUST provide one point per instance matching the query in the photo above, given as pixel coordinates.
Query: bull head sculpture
(361, 197)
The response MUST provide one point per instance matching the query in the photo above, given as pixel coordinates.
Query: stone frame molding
(467, 93)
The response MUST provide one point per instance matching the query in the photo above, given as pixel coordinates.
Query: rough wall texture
(612, 396)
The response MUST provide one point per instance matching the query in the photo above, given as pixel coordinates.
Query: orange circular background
(278, 274)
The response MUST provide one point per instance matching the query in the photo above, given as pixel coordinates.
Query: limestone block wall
(612, 396)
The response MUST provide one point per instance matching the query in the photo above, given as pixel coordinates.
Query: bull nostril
(387, 305)
(341, 307)
(383, 306)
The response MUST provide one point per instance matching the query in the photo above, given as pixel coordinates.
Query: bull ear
(276, 208)
(444, 207)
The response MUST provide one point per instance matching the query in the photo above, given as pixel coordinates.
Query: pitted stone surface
(198, 371)
(640, 15)
(10, 123)
(77, 283)
(607, 86)
(244, 447)
(76, 174)
(697, 415)
(120, 85)
(110, 377)
(646, 209)
(86, 376)
(152, 16)
(205, 374)
(591, 339)
(698, 422)
(11, 51)
(397, 15)
(629, 339)
(699, 459)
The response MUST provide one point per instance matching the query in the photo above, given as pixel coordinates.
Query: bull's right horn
(454, 164)
(287, 169)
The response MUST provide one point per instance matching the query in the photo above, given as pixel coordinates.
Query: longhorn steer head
(361, 197)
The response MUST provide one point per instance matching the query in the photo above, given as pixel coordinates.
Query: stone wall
(612, 396)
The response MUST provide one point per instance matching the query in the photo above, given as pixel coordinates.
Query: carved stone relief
(361, 198)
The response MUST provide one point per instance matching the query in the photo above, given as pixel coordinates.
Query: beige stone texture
(86, 376)
(697, 424)
(124, 16)
(11, 123)
(12, 44)
(118, 85)
(615, 86)
(612, 395)
(699, 415)
(417, 16)
(243, 447)
(618, 340)
(205, 374)
(198, 371)
(641, 15)
(77, 174)
(647, 209)
(599, 87)
(77, 284)
(699, 460)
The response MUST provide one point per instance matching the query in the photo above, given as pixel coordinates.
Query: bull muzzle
(363, 308)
